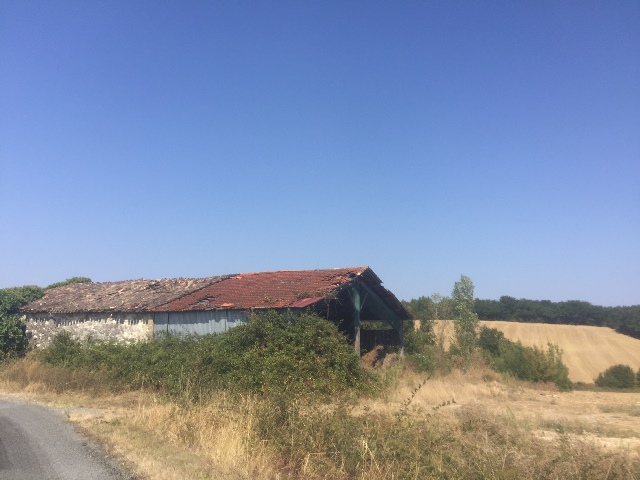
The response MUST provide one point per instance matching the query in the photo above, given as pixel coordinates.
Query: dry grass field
(587, 350)
(161, 440)
(474, 423)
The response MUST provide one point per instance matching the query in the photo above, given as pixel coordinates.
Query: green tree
(13, 337)
(11, 299)
(617, 376)
(421, 308)
(466, 321)
(13, 332)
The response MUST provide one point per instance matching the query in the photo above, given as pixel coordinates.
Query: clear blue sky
(500, 140)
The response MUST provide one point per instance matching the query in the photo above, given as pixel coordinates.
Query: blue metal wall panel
(200, 323)
(160, 322)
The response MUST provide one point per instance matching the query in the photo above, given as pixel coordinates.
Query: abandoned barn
(352, 298)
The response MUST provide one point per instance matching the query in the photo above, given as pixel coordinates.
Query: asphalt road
(37, 443)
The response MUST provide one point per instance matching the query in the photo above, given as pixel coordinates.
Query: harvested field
(587, 350)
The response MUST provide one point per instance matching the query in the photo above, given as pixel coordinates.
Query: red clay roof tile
(282, 289)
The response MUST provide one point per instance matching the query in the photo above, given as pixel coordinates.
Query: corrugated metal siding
(201, 323)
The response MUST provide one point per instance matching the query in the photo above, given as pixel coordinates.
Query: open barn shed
(352, 298)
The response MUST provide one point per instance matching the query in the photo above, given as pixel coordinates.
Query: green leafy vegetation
(11, 299)
(525, 363)
(465, 322)
(271, 354)
(434, 307)
(420, 347)
(13, 337)
(70, 281)
(618, 376)
(13, 333)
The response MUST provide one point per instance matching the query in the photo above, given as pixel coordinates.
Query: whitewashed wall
(118, 327)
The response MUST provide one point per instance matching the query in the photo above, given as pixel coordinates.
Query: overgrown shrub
(525, 363)
(272, 354)
(617, 376)
(489, 340)
(294, 353)
(13, 337)
(13, 332)
(420, 348)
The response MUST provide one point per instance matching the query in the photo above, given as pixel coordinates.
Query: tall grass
(411, 434)
(246, 405)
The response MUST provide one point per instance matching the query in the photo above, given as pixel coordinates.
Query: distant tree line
(625, 320)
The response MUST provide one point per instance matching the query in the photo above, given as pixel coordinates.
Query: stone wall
(118, 327)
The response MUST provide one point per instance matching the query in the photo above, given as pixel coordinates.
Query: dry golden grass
(168, 441)
(163, 440)
(154, 438)
(587, 351)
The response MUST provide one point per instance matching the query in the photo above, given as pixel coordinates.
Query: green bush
(617, 376)
(420, 348)
(271, 354)
(489, 340)
(13, 332)
(293, 353)
(531, 364)
(13, 337)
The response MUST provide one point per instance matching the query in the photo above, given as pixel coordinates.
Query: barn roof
(125, 296)
(259, 290)
(283, 289)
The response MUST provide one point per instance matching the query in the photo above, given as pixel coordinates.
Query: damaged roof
(126, 296)
(283, 289)
(260, 290)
